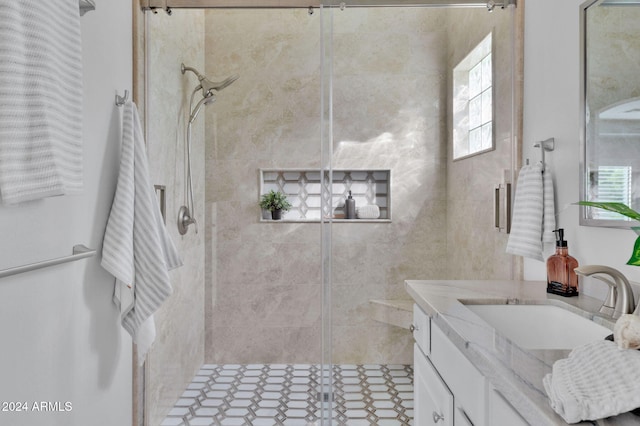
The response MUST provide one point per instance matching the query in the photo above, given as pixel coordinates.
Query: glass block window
(473, 102)
(303, 189)
(613, 185)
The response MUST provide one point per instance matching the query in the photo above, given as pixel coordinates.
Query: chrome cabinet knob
(412, 328)
(437, 417)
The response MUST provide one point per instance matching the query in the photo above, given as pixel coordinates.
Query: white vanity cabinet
(448, 389)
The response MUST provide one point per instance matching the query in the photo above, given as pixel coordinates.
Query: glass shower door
(420, 213)
(332, 102)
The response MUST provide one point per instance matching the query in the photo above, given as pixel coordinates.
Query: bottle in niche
(350, 207)
(561, 277)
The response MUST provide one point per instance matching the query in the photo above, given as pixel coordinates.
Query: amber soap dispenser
(561, 278)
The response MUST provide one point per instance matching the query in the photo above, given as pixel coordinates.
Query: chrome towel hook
(120, 100)
(546, 145)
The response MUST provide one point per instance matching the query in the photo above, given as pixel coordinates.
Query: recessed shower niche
(303, 188)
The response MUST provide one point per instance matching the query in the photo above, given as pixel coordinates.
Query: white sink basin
(540, 326)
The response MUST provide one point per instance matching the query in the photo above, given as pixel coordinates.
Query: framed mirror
(610, 108)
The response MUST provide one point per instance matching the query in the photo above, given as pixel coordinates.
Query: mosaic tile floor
(287, 395)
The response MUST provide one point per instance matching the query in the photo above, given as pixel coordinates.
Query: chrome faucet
(619, 299)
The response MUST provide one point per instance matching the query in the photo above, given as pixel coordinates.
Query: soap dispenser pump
(350, 207)
(561, 277)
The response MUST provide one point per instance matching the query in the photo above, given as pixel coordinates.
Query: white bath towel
(40, 99)
(533, 218)
(595, 381)
(137, 249)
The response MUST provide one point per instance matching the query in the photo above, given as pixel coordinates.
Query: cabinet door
(466, 383)
(432, 398)
(461, 418)
(502, 413)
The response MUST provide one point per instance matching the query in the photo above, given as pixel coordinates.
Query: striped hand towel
(533, 219)
(137, 249)
(549, 213)
(40, 99)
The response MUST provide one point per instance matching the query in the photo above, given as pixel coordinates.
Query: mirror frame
(584, 220)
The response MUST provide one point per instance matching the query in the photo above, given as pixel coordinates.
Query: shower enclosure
(330, 99)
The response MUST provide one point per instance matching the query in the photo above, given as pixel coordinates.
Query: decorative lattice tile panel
(305, 190)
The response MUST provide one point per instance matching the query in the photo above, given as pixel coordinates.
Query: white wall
(60, 335)
(551, 109)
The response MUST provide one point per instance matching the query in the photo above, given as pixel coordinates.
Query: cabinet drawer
(422, 329)
(433, 400)
(464, 380)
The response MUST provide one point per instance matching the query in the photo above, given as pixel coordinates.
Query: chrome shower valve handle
(185, 219)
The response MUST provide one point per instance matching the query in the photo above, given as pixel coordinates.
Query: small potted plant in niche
(276, 203)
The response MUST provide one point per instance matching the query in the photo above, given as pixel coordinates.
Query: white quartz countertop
(516, 373)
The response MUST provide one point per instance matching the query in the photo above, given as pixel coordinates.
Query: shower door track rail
(306, 4)
(79, 252)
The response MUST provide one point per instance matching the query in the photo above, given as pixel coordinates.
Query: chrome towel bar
(79, 252)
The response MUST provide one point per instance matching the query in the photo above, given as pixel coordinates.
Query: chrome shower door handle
(502, 207)
(496, 207)
(507, 207)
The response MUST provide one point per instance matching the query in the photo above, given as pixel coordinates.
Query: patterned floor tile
(289, 394)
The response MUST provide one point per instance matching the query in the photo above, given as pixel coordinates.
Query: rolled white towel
(626, 332)
(595, 381)
(370, 211)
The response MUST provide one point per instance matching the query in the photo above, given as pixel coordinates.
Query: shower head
(209, 87)
(210, 98)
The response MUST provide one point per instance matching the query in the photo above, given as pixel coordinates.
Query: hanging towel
(533, 219)
(40, 99)
(549, 213)
(595, 381)
(137, 249)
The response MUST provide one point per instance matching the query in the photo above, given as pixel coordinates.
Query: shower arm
(184, 68)
(201, 78)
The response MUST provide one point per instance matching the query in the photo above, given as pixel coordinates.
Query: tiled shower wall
(475, 250)
(178, 350)
(263, 290)
(263, 286)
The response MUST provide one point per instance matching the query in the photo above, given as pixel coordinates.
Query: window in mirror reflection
(611, 184)
(473, 102)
